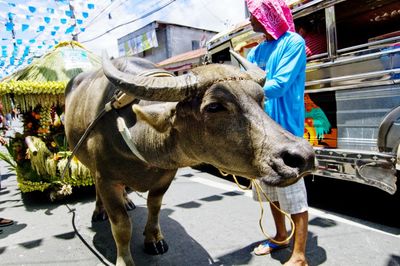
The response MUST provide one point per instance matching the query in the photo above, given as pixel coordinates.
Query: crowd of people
(4, 221)
(5, 124)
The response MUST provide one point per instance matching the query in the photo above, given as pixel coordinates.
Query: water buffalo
(211, 115)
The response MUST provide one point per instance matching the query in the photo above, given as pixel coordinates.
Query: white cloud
(214, 15)
(39, 25)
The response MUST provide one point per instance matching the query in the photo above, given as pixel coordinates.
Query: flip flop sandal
(267, 247)
(5, 222)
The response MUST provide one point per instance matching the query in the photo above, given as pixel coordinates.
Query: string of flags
(28, 29)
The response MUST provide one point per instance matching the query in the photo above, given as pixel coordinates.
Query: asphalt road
(357, 201)
(206, 221)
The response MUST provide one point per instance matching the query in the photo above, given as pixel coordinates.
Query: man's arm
(287, 71)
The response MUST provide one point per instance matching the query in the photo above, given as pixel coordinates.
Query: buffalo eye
(214, 107)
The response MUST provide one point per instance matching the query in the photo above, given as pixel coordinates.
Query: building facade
(158, 41)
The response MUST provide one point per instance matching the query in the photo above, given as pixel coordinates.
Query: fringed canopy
(44, 80)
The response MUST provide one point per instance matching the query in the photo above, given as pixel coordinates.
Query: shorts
(292, 199)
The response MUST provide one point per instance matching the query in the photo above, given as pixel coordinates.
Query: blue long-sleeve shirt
(284, 60)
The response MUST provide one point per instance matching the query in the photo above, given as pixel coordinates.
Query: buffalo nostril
(294, 160)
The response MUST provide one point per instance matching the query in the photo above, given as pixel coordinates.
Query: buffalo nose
(295, 159)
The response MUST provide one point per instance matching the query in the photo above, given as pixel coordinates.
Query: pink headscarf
(274, 15)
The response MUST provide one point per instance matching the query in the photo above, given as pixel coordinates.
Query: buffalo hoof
(129, 205)
(156, 248)
(99, 216)
(102, 215)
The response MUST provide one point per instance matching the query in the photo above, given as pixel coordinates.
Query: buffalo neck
(160, 149)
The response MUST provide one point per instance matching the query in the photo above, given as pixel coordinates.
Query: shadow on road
(345, 198)
(37, 200)
(316, 255)
(9, 230)
(183, 249)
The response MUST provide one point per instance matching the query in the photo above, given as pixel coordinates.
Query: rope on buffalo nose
(258, 188)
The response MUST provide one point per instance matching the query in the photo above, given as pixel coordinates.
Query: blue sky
(38, 25)
(209, 14)
(29, 29)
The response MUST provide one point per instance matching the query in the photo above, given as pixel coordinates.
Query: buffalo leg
(154, 242)
(100, 214)
(129, 205)
(113, 201)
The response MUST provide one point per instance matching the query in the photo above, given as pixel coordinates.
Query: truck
(352, 89)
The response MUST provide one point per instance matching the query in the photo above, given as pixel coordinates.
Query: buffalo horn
(256, 73)
(167, 89)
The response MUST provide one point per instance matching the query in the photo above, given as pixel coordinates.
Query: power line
(102, 11)
(212, 13)
(131, 21)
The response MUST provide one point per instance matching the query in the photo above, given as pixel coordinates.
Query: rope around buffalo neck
(258, 188)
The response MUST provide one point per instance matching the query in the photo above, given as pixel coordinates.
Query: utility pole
(246, 10)
(10, 20)
(73, 18)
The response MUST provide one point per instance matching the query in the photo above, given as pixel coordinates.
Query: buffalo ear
(158, 116)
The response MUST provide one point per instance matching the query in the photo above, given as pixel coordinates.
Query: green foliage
(8, 158)
(44, 170)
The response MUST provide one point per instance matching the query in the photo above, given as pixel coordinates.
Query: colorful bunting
(70, 30)
(32, 9)
(29, 29)
(9, 26)
(24, 27)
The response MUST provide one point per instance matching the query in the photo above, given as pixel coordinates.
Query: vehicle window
(221, 57)
(313, 29)
(362, 21)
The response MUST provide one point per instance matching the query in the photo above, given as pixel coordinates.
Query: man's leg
(267, 246)
(300, 239)
(280, 225)
(293, 200)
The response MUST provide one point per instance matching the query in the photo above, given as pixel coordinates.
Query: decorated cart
(39, 153)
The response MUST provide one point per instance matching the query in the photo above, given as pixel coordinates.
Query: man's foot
(298, 261)
(267, 247)
(5, 222)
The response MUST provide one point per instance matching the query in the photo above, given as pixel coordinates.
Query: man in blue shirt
(282, 55)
